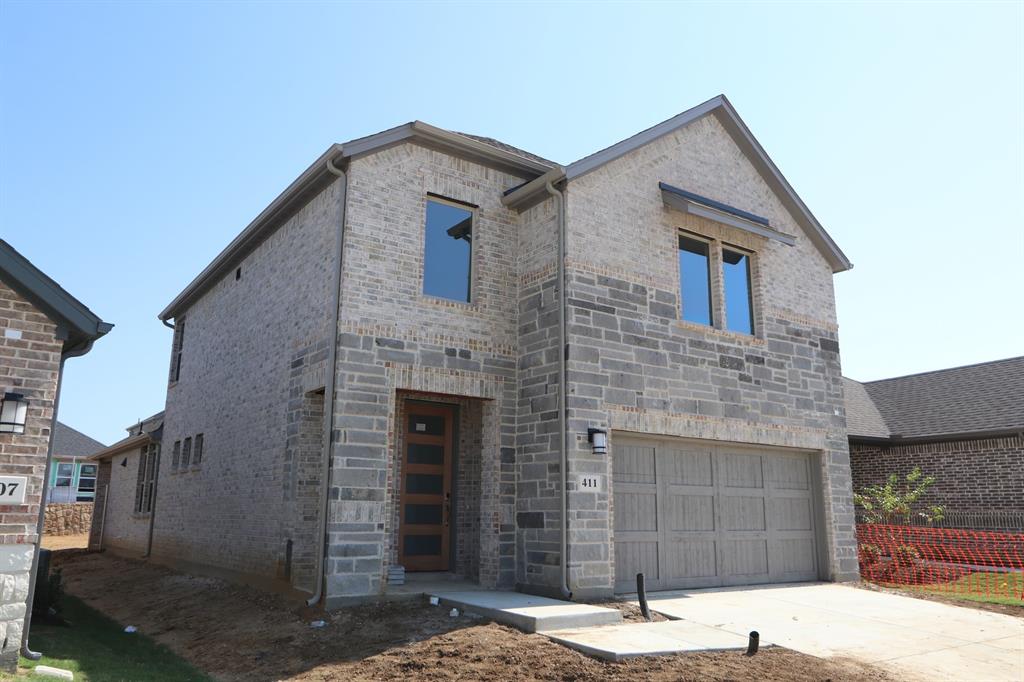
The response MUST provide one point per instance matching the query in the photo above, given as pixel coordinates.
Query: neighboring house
(41, 325)
(964, 425)
(126, 489)
(72, 478)
(442, 342)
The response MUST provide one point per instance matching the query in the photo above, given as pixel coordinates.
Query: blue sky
(137, 139)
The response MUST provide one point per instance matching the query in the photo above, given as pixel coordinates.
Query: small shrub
(869, 554)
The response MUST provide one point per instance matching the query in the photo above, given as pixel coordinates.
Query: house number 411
(590, 482)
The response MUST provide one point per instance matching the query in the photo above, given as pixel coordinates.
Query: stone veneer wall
(635, 366)
(973, 476)
(30, 366)
(68, 519)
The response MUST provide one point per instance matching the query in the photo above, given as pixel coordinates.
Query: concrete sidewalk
(629, 640)
(918, 639)
(528, 612)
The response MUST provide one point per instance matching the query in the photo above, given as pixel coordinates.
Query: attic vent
(238, 273)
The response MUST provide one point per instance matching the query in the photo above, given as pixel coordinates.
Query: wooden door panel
(424, 527)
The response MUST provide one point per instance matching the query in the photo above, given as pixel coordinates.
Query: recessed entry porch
(436, 493)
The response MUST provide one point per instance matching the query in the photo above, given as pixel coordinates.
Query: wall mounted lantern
(598, 438)
(13, 409)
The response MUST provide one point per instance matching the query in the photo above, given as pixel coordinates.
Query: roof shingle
(69, 442)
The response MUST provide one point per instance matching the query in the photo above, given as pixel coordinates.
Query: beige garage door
(690, 514)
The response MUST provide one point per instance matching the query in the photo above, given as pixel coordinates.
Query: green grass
(97, 649)
(991, 588)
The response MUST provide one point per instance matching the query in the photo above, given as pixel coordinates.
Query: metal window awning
(695, 204)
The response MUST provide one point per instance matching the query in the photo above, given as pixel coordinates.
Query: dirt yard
(239, 633)
(56, 542)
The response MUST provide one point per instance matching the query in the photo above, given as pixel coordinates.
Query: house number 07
(12, 489)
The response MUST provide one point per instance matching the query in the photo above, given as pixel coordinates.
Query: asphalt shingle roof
(68, 442)
(862, 417)
(983, 397)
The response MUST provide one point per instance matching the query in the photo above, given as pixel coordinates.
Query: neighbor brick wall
(68, 519)
(124, 531)
(970, 475)
(30, 366)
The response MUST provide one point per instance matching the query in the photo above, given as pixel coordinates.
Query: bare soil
(1007, 609)
(56, 542)
(236, 632)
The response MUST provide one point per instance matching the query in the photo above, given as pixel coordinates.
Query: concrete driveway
(915, 638)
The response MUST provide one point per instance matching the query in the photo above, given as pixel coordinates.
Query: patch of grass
(991, 588)
(97, 649)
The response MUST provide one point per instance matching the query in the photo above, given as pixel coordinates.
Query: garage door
(700, 515)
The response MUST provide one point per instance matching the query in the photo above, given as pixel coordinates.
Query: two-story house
(440, 352)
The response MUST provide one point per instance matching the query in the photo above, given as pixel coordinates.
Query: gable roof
(537, 170)
(862, 416)
(69, 442)
(982, 399)
(722, 109)
(144, 432)
(80, 325)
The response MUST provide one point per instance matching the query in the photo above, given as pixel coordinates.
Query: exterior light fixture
(13, 409)
(598, 438)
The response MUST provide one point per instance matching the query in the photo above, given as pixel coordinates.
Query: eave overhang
(694, 204)
(121, 446)
(315, 178)
(76, 324)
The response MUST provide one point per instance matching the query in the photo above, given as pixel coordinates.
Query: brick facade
(972, 476)
(28, 365)
(255, 351)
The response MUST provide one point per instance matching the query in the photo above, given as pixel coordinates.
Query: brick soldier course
(252, 364)
(41, 325)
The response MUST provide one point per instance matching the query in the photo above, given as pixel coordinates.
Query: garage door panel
(740, 470)
(789, 473)
(690, 513)
(633, 464)
(687, 467)
(791, 513)
(795, 556)
(637, 557)
(745, 557)
(691, 559)
(742, 513)
(636, 511)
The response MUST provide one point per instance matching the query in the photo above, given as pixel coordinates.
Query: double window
(145, 483)
(448, 250)
(702, 264)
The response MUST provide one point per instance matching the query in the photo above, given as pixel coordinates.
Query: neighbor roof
(80, 325)
(982, 399)
(69, 442)
(503, 156)
(141, 433)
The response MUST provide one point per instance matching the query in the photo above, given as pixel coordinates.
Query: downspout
(564, 379)
(329, 392)
(41, 521)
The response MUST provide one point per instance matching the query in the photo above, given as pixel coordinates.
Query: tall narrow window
(145, 485)
(186, 452)
(86, 483)
(448, 251)
(739, 308)
(695, 280)
(176, 347)
(197, 453)
(176, 456)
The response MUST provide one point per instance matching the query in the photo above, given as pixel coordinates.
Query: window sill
(737, 337)
(438, 302)
(141, 515)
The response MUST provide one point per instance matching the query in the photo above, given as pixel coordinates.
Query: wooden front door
(424, 526)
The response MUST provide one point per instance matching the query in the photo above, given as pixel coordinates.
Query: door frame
(449, 538)
(816, 481)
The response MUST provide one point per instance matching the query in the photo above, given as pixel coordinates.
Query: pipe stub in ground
(755, 641)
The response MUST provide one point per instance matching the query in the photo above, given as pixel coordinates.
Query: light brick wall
(124, 531)
(30, 366)
(973, 476)
(252, 347)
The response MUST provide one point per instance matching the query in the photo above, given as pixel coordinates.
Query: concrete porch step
(629, 640)
(529, 613)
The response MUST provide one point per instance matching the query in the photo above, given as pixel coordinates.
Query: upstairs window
(176, 349)
(197, 454)
(186, 452)
(739, 308)
(448, 251)
(695, 280)
(176, 456)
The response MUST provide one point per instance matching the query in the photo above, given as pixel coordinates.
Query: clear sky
(137, 139)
